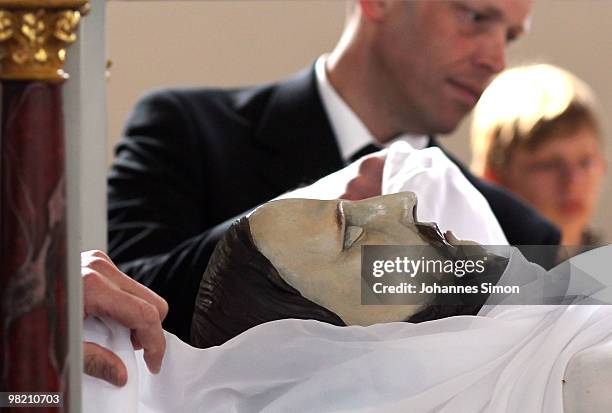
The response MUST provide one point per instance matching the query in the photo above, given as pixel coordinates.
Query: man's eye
(511, 36)
(471, 16)
(474, 15)
(351, 235)
(545, 166)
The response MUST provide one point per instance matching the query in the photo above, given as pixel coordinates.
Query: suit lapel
(295, 135)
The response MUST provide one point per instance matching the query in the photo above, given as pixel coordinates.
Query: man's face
(561, 178)
(435, 58)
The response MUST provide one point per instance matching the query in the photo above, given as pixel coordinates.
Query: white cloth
(351, 133)
(444, 194)
(511, 359)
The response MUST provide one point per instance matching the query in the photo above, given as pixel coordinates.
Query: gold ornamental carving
(34, 35)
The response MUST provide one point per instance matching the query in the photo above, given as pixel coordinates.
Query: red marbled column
(33, 294)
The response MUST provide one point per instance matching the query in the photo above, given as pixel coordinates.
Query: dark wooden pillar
(33, 260)
(33, 237)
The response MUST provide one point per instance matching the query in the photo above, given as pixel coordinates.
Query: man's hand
(368, 182)
(107, 292)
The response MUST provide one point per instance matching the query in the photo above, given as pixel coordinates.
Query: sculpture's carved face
(315, 246)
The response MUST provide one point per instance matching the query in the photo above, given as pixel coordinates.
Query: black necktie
(366, 150)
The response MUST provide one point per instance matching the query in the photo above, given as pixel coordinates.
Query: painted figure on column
(33, 311)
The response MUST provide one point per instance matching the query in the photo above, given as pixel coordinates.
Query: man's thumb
(104, 364)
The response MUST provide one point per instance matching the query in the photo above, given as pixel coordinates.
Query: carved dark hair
(241, 289)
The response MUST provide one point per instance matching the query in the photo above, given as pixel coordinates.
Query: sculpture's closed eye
(351, 235)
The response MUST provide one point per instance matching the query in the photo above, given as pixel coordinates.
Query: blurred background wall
(230, 43)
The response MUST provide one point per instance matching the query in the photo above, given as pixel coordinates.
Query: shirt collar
(351, 133)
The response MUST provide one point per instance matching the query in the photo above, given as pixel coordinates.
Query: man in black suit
(194, 159)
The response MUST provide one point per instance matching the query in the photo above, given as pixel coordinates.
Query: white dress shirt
(351, 133)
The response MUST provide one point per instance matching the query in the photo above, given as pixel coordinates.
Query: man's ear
(374, 10)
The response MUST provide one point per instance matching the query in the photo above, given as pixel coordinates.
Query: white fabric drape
(444, 194)
(508, 359)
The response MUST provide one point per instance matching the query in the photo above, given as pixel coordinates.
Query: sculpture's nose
(400, 207)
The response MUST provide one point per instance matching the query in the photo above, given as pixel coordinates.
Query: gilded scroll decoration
(33, 40)
(6, 25)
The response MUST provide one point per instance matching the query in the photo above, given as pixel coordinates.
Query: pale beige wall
(155, 44)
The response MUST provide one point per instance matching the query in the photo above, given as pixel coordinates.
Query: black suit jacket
(193, 160)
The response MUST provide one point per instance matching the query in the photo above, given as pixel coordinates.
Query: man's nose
(573, 177)
(491, 55)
